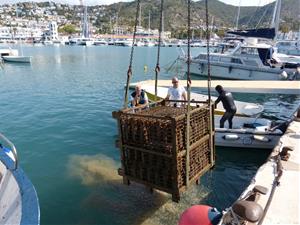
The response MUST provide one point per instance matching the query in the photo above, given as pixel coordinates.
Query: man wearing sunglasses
(176, 92)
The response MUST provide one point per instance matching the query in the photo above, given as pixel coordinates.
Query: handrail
(11, 147)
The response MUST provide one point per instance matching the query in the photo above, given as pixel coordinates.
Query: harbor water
(57, 111)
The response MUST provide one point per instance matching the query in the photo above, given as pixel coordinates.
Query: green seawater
(57, 111)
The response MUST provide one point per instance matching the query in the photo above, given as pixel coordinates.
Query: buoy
(261, 138)
(283, 75)
(231, 137)
(200, 215)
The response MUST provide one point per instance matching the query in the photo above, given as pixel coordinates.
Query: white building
(53, 31)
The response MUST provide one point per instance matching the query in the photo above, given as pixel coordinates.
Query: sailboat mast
(238, 16)
(149, 20)
(85, 25)
(276, 17)
(140, 16)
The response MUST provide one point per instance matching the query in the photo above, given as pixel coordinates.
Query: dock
(281, 176)
(259, 86)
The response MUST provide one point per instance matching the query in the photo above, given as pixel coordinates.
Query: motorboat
(100, 42)
(85, 41)
(248, 60)
(8, 52)
(247, 132)
(17, 59)
(19, 201)
(289, 47)
(123, 42)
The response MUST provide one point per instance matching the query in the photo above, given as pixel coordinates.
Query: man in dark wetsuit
(228, 104)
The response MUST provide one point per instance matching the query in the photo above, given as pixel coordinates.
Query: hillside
(175, 14)
(104, 18)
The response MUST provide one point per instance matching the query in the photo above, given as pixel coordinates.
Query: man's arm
(217, 101)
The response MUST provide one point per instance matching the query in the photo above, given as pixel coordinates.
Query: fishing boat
(243, 108)
(17, 59)
(19, 202)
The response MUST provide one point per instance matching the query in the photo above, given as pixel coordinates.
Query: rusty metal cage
(153, 146)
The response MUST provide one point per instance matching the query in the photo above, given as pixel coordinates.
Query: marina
(171, 146)
(60, 96)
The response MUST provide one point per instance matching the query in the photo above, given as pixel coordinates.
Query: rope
(212, 157)
(157, 68)
(276, 183)
(129, 71)
(188, 96)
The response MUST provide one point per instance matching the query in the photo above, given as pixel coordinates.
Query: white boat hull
(17, 59)
(236, 72)
(241, 136)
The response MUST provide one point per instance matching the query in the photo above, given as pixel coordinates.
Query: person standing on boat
(296, 74)
(176, 92)
(139, 98)
(228, 104)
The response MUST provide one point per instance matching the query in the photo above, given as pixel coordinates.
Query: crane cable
(129, 71)
(188, 96)
(211, 142)
(157, 68)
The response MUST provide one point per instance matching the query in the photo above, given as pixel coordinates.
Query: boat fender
(229, 69)
(231, 137)
(261, 138)
(283, 75)
(202, 67)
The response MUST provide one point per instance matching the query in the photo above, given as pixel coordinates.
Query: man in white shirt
(176, 92)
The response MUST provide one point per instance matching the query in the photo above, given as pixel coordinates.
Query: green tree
(284, 28)
(68, 29)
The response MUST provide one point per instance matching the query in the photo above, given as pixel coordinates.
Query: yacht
(19, 202)
(85, 41)
(248, 60)
(100, 42)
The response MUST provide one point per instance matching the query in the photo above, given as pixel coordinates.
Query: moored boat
(17, 59)
(247, 132)
(19, 202)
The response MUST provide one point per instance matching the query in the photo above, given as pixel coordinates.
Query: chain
(129, 71)
(157, 68)
(188, 97)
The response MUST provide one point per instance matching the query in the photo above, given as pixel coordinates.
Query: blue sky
(100, 2)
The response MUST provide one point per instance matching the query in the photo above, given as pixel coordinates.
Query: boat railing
(10, 146)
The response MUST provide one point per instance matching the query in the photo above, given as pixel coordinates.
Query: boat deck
(281, 87)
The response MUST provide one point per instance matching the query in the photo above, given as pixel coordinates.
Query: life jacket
(142, 98)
